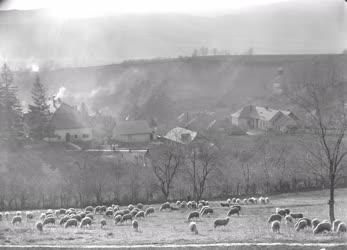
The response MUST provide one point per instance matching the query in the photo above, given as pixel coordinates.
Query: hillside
(192, 83)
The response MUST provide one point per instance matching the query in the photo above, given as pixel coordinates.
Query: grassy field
(172, 227)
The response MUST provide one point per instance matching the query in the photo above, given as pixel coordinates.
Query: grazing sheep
(119, 212)
(49, 220)
(89, 209)
(233, 200)
(174, 208)
(289, 219)
(109, 213)
(49, 211)
(200, 205)
(7, 215)
(202, 209)
(126, 217)
(131, 207)
(86, 221)
(117, 219)
(62, 211)
(42, 216)
(103, 209)
(178, 203)
(229, 200)
(193, 228)
(97, 209)
(77, 217)
(64, 220)
(194, 214)
(204, 203)
(237, 206)
(297, 215)
(281, 212)
(183, 204)
(207, 210)
(287, 210)
(19, 213)
(223, 204)
(341, 228)
(244, 201)
(251, 200)
(139, 206)
(275, 226)
(274, 217)
(39, 226)
(237, 201)
(133, 212)
(322, 227)
(300, 225)
(234, 210)
(315, 222)
(261, 200)
(192, 205)
(336, 224)
(91, 216)
(102, 223)
(16, 219)
(140, 214)
(71, 223)
(135, 225)
(149, 211)
(267, 200)
(165, 205)
(29, 215)
(0, 216)
(221, 222)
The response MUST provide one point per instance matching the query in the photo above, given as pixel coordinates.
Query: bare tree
(320, 94)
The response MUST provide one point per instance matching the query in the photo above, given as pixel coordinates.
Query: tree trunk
(331, 198)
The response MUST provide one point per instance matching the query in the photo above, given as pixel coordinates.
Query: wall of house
(81, 134)
(134, 138)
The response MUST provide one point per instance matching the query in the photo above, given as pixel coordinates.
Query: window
(85, 136)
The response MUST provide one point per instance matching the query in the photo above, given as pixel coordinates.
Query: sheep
(165, 205)
(103, 209)
(29, 215)
(174, 208)
(149, 211)
(251, 200)
(70, 223)
(281, 212)
(262, 200)
(207, 210)
(133, 212)
(115, 208)
(86, 221)
(119, 212)
(126, 211)
(267, 200)
(7, 215)
(315, 222)
(64, 220)
(139, 206)
(0, 216)
(18, 213)
(300, 225)
(192, 205)
(234, 210)
(308, 221)
(228, 200)
(109, 213)
(203, 202)
(131, 207)
(244, 201)
(49, 211)
(336, 224)
(77, 217)
(274, 217)
(223, 204)
(342, 228)
(237, 201)
(275, 226)
(97, 209)
(233, 200)
(237, 206)
(62, 211)
(200, 205)
(102, 223)
(322, 227)
(183, 204)
(297, 215)
(201, 210)
(221, 222)
(89, 209)
(194, 214)
(91, 216)
(16, 219)
(39, 226)
(289, 219)
(193, 228)
(126, 217)
(135, 225)
(117, 219)
(49, 220)
(140, 214)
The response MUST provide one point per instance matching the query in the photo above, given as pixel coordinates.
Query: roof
(266, 114)
(175, 135)
(132, 127)
(262, 113)
(67, 117)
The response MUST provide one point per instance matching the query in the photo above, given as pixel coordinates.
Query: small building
(180, 135)
(69, 125)
(137, 131)
(264, 118)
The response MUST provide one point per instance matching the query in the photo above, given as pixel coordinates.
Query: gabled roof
(67, 117)
(266, 114)
(132, 127)
(175, 135)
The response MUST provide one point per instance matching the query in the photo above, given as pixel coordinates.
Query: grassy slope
(171, 227)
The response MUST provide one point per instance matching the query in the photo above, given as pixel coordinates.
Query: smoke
(35, 68)
(61, 93)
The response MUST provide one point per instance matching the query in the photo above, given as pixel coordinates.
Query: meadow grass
(171, 227)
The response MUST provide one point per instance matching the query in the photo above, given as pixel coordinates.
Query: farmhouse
(264, 118)
(68, 124)
(180, 135)
(133, 132)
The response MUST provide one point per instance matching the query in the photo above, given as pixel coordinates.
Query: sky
(89, 8)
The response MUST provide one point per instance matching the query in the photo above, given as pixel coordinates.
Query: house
(137, 131)
(180, 135)
(69, 125)
(264, 118)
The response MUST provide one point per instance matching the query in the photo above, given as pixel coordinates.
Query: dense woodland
(35, 174)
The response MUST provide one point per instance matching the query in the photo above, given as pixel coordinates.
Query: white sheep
(274, 217)
(140, 214)
(64, 220)
(39, 226)
(29, 215)
(315, 222)
(139, 205)
(135, 225)
(86, 221)
(275, 226)
(49, 220)
(322, 227)
(238, 201)
(341, 228)
(131, 207)
(221, 222)
(193, 228)
(126, 217)
(16, 219)
(165, 205)
(336, 224)
(70, 223)
(206, 210)
(42, 216)
(194, 214)
(117, 219)
(102, 223)
(183, 204)
(89, 209)
(289, 219)
(300, 225)
(267, 200)
(149, 211)
(233, 200)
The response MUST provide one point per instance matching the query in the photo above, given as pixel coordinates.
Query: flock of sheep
(85, 217)
(299, 222)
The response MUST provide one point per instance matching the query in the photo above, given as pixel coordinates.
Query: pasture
(171, 227)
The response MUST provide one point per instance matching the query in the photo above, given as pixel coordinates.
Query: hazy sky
(88, 8)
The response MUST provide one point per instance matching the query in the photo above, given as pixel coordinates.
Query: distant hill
(191, 83)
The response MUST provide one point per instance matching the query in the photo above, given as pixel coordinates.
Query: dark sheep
(49, 220)
(322, 227)
(274, 217)
(221, 222)
(194, 214)
(297, 215)
(126, 217)
(64, 220)
(70, 223)
(234, 210)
